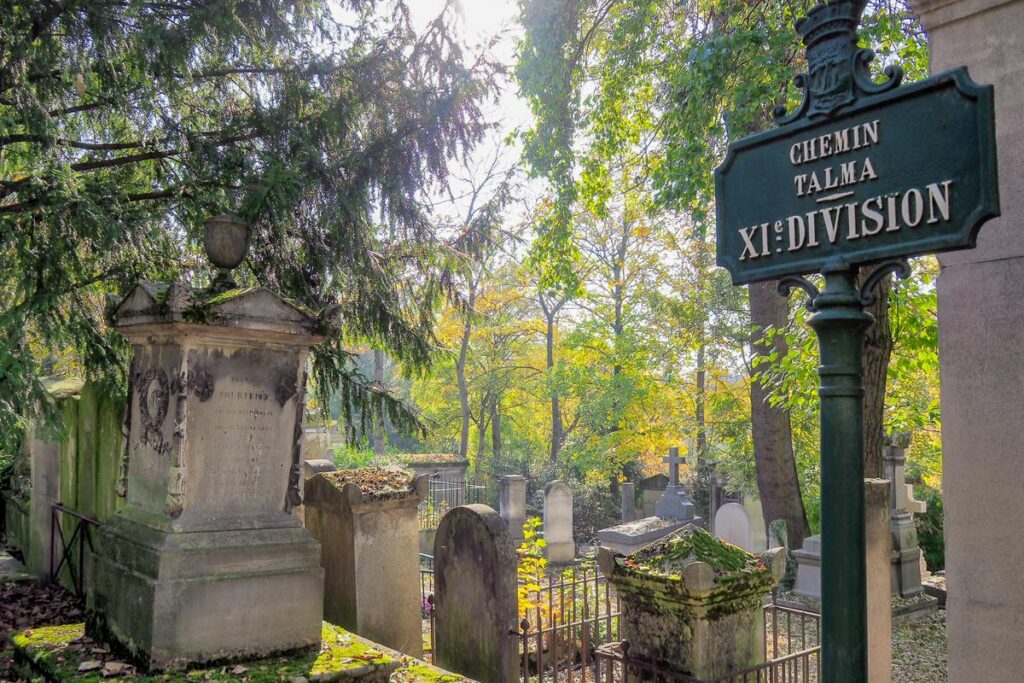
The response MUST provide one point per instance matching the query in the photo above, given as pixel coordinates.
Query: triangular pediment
(258, 303)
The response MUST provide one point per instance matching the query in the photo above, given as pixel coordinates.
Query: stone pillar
(205, 560)
(878, 546)
(365, 521)
(311, 468)
(979, 295)
(561, 547)
(475, 609)
(44, 457)
(512, 505)
(628, 502)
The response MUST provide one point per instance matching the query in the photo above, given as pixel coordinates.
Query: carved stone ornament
(176, 479)
(293, 498)
(154, 395)
(200, 382)
(286, 388)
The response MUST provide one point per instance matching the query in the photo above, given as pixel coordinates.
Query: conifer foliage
(124, 123)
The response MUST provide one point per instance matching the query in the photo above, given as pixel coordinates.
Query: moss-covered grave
(65, 653)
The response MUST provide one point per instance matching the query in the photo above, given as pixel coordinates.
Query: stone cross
(673, 502)
(674, 461)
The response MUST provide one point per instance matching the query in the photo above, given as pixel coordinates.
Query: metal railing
(446, 492)
(79, 535)
(791, 646)
(564, 621)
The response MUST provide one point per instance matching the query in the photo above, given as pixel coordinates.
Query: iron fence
(80, 537)
(564, 621)
(446, 492)
(792, 649)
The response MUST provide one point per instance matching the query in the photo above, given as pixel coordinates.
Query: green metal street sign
(861, 173)
(906, 172)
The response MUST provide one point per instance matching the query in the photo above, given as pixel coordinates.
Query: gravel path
(919, 650)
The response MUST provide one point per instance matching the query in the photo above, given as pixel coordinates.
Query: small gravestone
(651, 490)
(475, 608)
(512, 505)
(742, 525)
(560, 548)
(808, 571)
(205, 560)
(365, 521)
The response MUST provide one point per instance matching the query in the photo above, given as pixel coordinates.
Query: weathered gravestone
(475, 608)
(560, 548)
(205, 561)
(674, 511)
(365, 521)
(742, 525)
(512, 505)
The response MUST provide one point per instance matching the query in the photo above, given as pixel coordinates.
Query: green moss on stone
(424, 673)
(55, 653)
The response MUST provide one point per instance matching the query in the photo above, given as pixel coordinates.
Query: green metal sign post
(860, 175)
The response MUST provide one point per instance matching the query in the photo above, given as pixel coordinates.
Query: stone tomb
(365, 521)
(560, 548)
(683, 606)
(205, 561)
(628, 538)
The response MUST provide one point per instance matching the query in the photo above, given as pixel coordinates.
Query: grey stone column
(980, 332)
(512, 505)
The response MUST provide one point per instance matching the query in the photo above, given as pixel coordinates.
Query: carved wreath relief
(154, 395)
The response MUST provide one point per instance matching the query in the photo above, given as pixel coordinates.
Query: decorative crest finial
(837, 70)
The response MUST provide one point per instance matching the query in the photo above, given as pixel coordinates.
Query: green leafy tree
(124, 124)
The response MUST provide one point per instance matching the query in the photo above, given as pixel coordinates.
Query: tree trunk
(460, 376)
(877, 350)
(777, 479)
(379, 432)
(481, 435)
(556, 410)
(496, 445)
(702, 427)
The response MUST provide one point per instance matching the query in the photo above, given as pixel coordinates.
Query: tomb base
(174, 599)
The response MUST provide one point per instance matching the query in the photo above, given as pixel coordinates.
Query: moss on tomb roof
(693, 544)
(376, 483)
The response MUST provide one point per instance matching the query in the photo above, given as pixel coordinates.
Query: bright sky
(478, 22)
